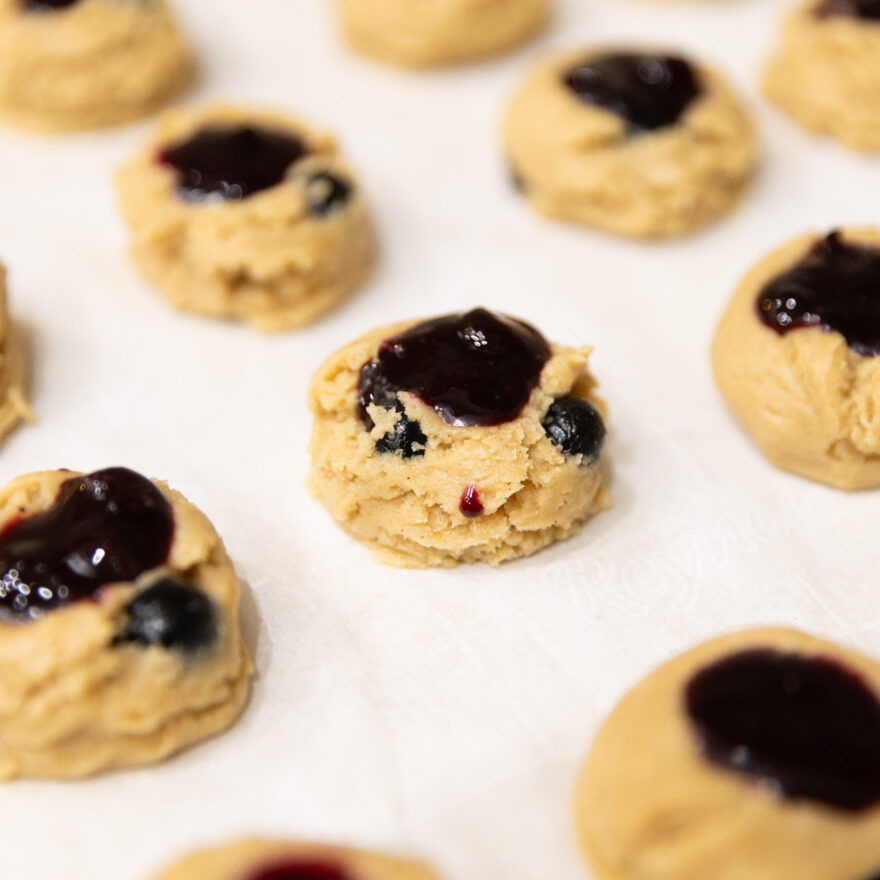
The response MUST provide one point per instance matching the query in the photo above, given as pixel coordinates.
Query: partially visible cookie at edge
(14, 407)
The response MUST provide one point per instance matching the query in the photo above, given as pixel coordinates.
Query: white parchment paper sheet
(439, 713)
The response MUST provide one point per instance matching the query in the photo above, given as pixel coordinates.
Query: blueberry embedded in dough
(46, 5)
(576, 427)
(326, 192)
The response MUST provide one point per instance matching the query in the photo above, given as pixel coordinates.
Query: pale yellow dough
(264, 259)
(415, 33)
(650, 807)
(94, 64)
(242, 860)
(14, 407)
(576, 162)
(72, 703)
(810, 403)
(407, 510)
(826, 75)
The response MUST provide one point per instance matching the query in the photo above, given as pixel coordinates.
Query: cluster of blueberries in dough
(108, 527)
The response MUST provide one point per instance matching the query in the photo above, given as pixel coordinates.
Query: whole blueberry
(171, 614)
(576, 427)
(325, 192)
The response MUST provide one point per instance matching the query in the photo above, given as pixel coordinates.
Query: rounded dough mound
(407, 510)
(93, 64)
(810, 403)
(412, 33)
(576, 161)
(264, 259)
(241, 861)
(826, 75)
(73, 703)
(648, 805)
(14, 407)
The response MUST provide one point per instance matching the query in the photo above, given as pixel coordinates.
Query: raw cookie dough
(797, 355)
(756, 755)
(636, 144)
(467, 438)
(246, 214)
(287, 860)
(412, 33)
(826, 74)
(119, 635)
(76, 65)
(13, 403)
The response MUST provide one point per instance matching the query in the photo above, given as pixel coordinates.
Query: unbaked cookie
(287, 860)
(797, 355)
(248, 215)
(756, 755)
(119, 636)
(13, 403)
(413, 33)
(826, 74)
(77, 64)
(637, 144)
(465, 438)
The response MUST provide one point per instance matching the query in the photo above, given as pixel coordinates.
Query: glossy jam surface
(301, 869)
(477, 368)
(807, 726)
(836, 287)
(171, 614)
(470, 504)
(46, 5)
(104, 527)
(232, 162)
(648, 91)
(868, 10)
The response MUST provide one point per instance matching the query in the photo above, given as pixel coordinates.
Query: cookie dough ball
(286, 860)
(826, 74)
(247, 215)
(756, 755)
(77, 64)
(465, 438)
(13, 403)
(412, 33)
(797, 355)
(119, 636)
(636, 144)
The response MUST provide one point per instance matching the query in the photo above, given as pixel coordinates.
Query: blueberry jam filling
(470, 504)
(477, 368)
(576, 427)
(105, 527)
(864, 9)
(325, 193)
(233, 162)
(836, 287)
(808, 727)
(46, 5)
(648, 91)
(301, 869)
(171, 614)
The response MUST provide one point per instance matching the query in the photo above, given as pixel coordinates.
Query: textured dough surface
(810, 403)
(826, 75)
(238, 861)
(264, 259)
(576, 162)
(14, 407)
(407, 510)
(649, 807)
(412, 33)
(94, 64)
(73, 704)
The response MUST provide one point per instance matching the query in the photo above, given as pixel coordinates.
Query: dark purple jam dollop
(836, 287)
(807, 725)
(470, 504)
(868, 10)
(477, 368)
(233, 162)
(105, 527)
(648, 91)
(46, 5)
(302, 869)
